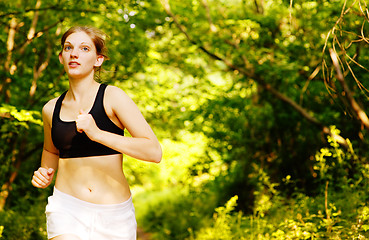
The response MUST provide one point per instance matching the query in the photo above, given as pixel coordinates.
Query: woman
(83, 139)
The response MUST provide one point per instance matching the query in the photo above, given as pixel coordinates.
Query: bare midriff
(98, 179)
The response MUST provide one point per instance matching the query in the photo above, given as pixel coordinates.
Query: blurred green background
(264, 136)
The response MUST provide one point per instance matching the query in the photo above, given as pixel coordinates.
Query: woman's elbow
(157, 154)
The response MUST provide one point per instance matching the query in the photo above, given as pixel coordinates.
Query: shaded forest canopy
(260, 106)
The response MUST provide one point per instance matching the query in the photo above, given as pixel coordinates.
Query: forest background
(260, 107)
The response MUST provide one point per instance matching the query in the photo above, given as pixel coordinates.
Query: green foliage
(23, 225)
(15, 128)
(225, 224)
(22, 116)
(325, 216)
(333, 163)
(171, 213)
(149, 177)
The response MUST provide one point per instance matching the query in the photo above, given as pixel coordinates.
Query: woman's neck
(79, 89)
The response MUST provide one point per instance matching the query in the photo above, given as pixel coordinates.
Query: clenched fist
(86, 123)
(43, 177)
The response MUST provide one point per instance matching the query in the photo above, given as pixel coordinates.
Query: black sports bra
(72, 144)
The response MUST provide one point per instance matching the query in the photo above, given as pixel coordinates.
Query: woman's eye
(85, 49)
(67, 48)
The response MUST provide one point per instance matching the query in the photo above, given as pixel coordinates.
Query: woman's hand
(86, 123)
(43, 177)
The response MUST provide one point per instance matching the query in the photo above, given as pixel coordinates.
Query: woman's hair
(97, 36)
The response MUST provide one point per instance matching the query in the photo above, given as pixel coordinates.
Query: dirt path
(141, 235)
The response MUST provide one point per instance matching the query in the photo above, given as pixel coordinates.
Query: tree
(283, 49)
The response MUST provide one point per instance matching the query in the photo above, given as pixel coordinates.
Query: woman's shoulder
(111, 89)
(48, 108)
(114, 92)
(117, 98)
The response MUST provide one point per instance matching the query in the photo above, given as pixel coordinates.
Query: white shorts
(69, 215)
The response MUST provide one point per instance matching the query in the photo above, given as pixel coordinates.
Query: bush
(226, 225)
(303, 217)
(324, 216)
(23, 226)
(172, 213)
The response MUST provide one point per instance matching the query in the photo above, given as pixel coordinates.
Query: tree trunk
(4, 91)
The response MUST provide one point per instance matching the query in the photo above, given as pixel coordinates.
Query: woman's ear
(61, 58)
(99, 61)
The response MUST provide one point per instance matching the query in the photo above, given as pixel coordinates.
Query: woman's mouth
(73, 64)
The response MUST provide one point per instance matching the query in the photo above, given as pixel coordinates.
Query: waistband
(69, 199)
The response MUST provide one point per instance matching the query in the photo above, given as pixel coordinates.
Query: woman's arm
(50, 155)
(142, 145)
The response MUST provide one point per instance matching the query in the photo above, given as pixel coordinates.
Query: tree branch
(36, 35)
(211, 24)
(53, 8)
(259, 9)
(37, 72)
(6, 115)
(361, 115)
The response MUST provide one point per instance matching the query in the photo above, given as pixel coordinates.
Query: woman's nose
(74, 53)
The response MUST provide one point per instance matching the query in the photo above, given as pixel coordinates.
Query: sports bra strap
(56, 113)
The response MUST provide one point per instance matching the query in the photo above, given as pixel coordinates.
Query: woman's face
(79, 56)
